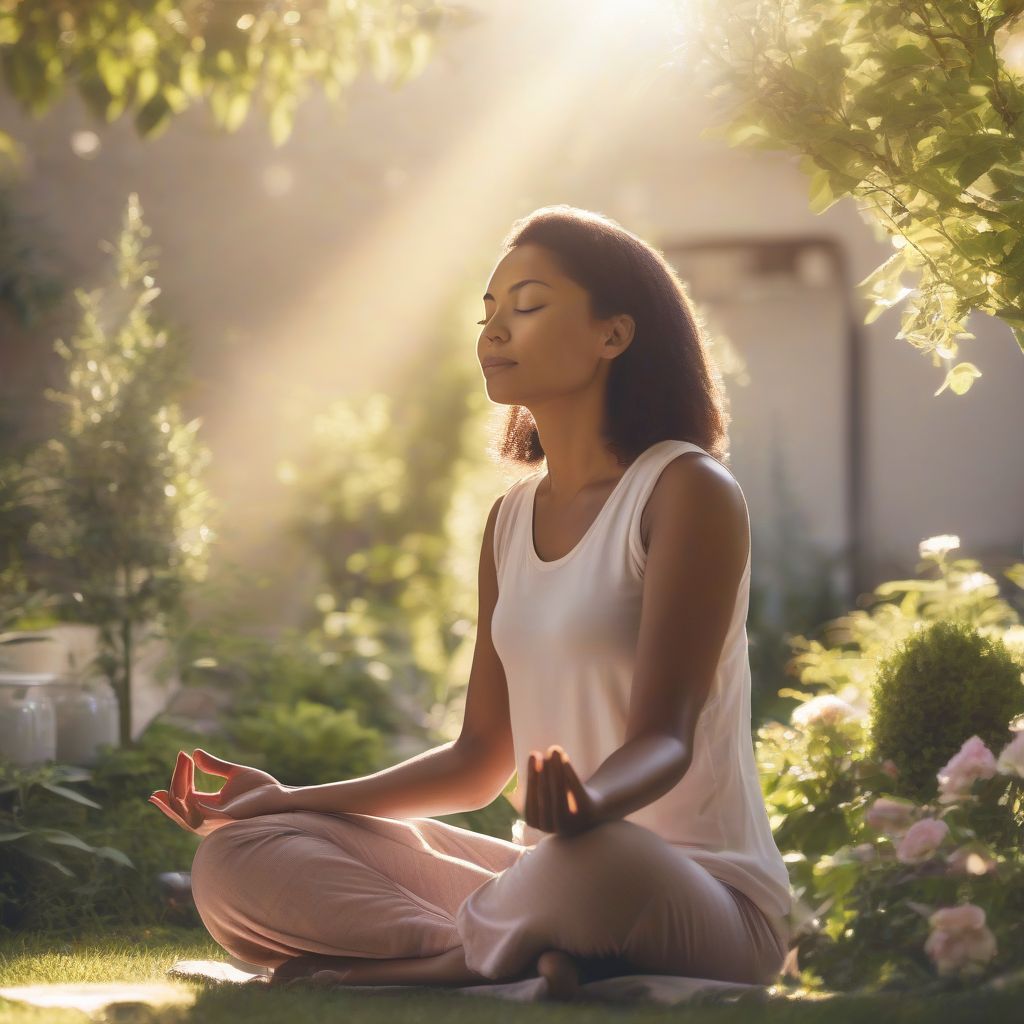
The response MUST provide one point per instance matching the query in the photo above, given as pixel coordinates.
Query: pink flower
(959, 940)
(1012, 757)
(890, 816)
(890, 769)
(973, 761)
(922, 840)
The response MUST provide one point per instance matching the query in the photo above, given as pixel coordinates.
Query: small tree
(121, 509)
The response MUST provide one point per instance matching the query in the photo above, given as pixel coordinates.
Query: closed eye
(534, 310)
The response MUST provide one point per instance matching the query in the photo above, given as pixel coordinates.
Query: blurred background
(274, 548)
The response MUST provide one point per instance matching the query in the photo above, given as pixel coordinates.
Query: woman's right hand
(203, 813)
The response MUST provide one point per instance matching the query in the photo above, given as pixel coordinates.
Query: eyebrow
(517, 286)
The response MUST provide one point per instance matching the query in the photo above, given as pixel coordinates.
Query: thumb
(214, 811)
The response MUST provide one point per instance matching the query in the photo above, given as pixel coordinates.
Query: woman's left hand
(556, 800)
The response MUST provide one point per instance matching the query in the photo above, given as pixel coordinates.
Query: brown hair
(665, 384)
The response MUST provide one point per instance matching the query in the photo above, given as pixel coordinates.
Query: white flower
(825, 709)
(975, 580)
(1014, 636)
(1011, 758)
(938, 545)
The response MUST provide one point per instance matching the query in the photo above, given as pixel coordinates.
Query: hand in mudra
(202, 812)
(556, 800)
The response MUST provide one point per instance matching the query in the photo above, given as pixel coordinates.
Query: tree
(156, 57)
(908, 108)
(119, 501)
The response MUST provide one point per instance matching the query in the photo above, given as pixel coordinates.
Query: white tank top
(566, 633)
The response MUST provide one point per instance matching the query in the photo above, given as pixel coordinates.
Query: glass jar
(28, 719)
(87, 716)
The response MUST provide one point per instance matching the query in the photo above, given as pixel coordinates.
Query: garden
(135, 625)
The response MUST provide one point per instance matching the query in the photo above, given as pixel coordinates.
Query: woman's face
(544, 327)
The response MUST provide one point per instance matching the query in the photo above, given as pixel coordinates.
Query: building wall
(311, 271)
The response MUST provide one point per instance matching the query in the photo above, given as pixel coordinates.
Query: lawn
(144, 955)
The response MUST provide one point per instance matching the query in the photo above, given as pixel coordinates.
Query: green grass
(145, 954)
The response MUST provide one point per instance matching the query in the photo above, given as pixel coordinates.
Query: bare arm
(698, 550)
(462, 775)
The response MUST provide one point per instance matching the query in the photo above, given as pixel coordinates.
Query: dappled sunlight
(92, 996)
(362, 317)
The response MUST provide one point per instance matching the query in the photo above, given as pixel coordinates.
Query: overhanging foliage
(909, 108)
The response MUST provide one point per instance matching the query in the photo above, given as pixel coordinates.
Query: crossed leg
(382, 900)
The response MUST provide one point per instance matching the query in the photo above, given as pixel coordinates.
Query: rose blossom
(959, 939)
(889, 815)
(825, 709)
(971, 762)
(921, 840)
(1011, 759)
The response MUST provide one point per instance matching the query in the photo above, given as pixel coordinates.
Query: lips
(494, 361)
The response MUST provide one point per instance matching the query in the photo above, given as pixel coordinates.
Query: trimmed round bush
(942, 685)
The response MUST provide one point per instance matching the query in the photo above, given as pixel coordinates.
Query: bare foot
(561, 973)
(302, 968)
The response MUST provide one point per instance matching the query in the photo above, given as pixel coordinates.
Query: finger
(532, 806)
(215, 797)
(540, 802)
(158, 799)
(191, 792)
(178, 788)
(555, 795)
(567, 777)
(214, 765)
(574, 790)
(545, 806)
(559, 809)
(209, 811)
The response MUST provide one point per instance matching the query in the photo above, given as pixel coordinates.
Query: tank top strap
(623, 511)
(506, 519)
(651, 464)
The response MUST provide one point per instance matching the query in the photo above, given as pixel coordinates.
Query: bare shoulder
(696, 485)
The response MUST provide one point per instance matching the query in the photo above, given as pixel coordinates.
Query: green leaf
(153, 117)
(117, 856)
(280, 122)
(61, 838)
(53, 862)
(112, 70)
(821, 191)
(960, 378)
(6, 836)
(70, 794)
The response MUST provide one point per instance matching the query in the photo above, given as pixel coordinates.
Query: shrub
(943, 683)
(310, 744)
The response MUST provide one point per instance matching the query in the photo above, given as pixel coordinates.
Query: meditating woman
(611, 671)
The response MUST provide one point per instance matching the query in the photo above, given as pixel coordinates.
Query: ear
(623, 330)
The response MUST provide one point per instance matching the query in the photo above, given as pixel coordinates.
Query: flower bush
(892, 889)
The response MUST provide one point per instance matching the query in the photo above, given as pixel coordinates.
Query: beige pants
(280, 885)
